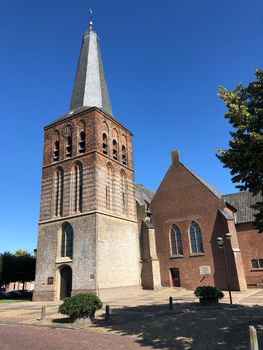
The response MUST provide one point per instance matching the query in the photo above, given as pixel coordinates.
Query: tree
(17, 267)
(245, 154)
(21, 252)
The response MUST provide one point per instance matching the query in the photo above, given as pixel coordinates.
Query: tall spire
(90, 88)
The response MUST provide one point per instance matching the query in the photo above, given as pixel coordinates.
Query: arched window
(76, 188)
(56, 151)
(58, 192)
(176, 241)
(124, 192)
(124, 155)
(67, 241)
(196, 238)
(69, 147)
(105, 144)
(115, 149)
(82, 143)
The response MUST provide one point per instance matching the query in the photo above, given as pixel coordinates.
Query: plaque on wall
(205, 270)
(50, 280)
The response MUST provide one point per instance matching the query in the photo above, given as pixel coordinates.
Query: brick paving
(144, 315)
(24, 338)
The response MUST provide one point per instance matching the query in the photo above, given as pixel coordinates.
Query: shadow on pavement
(187, 326)
(62, 320)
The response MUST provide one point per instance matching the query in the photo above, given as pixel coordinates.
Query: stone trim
(86, 213)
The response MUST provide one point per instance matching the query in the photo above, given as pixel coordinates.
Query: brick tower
(88, 235)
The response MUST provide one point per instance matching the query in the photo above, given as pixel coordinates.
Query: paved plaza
(142, 319)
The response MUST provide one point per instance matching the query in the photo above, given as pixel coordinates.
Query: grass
(13, 300)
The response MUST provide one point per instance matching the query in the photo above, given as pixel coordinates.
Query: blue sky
(164, 61)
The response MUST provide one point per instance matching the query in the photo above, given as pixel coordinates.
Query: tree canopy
(245, 154)
(17, 267)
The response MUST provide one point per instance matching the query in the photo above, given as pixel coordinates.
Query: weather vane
(91, 19)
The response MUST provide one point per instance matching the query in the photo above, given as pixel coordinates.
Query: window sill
(196, 254)
(63, 260)
(255, 270)
(178, 256)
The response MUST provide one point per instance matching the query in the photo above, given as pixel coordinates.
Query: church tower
(88, 233)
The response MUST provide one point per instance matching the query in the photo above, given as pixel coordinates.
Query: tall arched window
(109, 187)
(58, 192)
(124, 192)
(56, 151)
(82, 143)
(69, 147)
(196, 238)
(176, 241)
(105, 144)
(115, 149)
(67, 241)
(76, 188)
(124, 155)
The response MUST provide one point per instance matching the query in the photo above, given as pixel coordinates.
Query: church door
(175, 276)
(65, 282)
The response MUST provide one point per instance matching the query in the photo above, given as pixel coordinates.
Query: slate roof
(90, 88)
(242, 202)
(143, 194)
(76, 111)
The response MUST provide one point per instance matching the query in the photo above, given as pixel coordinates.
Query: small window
(196, 238)
(56, 151)
(176, 241)
(254, 264)
(82, 142)
(257, 263)
(115, 149)
(69, 147)
(124, 155)
(105, 144)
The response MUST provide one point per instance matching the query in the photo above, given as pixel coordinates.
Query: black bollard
(170, 303)
(107, 314)
(43, 313)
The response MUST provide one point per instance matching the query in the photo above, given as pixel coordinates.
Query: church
(98, 229)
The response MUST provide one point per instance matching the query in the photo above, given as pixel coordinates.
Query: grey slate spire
(90, 88)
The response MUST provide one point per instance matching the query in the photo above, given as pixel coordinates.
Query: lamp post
(221, 245)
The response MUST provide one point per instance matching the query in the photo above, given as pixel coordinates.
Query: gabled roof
(205, 183)
(242, 202)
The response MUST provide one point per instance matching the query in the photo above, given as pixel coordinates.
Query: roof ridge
(211, 188)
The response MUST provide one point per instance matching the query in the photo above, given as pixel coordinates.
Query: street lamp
(221, 245)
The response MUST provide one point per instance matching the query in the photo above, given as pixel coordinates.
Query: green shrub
(82, 305)
(208, 292)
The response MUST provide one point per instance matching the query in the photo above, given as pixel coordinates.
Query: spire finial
(91, 17)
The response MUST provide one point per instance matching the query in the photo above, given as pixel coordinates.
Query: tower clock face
(67, 130)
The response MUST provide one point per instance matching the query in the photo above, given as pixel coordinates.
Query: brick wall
(181, 199)
(114, 232)
(251, 246)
